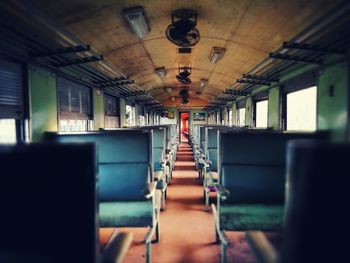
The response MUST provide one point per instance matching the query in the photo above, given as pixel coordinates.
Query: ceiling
(248, 29)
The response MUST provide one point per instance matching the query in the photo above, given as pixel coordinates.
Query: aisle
(187, 232)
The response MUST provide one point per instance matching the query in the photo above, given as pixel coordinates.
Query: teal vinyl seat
(127, 191)
(210, 168)
(210, 172)
(161, 172)
(49, 205)
(160, 169)
(129, 213)
(251, 189)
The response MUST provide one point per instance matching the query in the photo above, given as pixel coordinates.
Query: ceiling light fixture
(203, 82)
(172, 98)
(183, 76)
(137, 21)
(169, 89)
(216, 54)
(161, 72)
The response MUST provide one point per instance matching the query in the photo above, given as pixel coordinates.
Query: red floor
(187, 232)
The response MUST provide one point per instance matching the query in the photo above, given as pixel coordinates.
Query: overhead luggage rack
(43, 42)
(326, 36)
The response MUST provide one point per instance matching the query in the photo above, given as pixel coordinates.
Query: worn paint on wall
(122, 105)
(332, 101)
(43, 102)
(98, 111)
(274, 108)
(249, 112)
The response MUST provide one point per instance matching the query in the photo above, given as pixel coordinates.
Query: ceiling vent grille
(185, 50)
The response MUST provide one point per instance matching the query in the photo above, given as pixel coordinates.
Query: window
(74, 106)
(130, 116)
(240, 117)
(156, 119)
(8, 131)
(73, 125)
(210, 118)
(222, 116)
(230, 120)
(147, 119)
(261, 114)
(11, 102)
(301, 109)
(112, 113)
(141, 120)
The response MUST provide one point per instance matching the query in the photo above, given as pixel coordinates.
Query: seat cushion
(251, 217)
(126, 214)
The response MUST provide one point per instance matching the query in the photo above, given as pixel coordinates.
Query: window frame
(133, 113)
(107, 116)
(241, 104)
(71, 115)
(230, 116)
(300, 82)
(259, 97)
(285, 106)
(21, 119)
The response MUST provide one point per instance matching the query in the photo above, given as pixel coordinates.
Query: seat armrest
(261, 247)
(222, 191)
(214, 175)
(208, 162)
(117, 248)
(150, 190)
(158, 175)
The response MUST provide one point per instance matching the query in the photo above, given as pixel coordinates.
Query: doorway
(184, 123)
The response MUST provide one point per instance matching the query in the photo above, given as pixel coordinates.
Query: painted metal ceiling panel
(248, 29)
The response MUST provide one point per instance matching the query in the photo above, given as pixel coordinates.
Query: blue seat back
(158, 145)
(48, 193)
(124, 161)
(317, 198)
(252, 165)
(211, 135)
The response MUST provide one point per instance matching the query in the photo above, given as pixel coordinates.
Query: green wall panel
(332, 109)
(248, 112)
(274, 108)
(43, 102)
(98, 111)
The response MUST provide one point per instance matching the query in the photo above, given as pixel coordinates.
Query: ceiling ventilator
(182, 31)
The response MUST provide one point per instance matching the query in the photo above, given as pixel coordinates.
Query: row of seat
(49, 206)
(164, 149)
(127, 189)
(204, 143)
(130, 180)
(246, 167)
